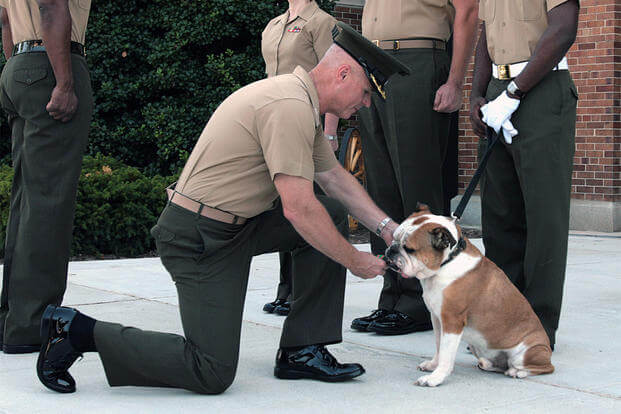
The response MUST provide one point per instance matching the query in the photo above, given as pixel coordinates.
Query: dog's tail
(537, 360)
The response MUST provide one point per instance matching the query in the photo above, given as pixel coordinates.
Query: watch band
(330, 137)
(513, 89)
(381, 225)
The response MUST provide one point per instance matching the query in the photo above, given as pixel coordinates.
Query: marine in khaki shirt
(260, 144)
(300, 42)
(26, 20)
(522, 89)
(266, 128)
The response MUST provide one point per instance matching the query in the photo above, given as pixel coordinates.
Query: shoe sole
(360, 327)
(416, 328)
(268, 309)
(46, 332)
(281, 313)
(296, 374)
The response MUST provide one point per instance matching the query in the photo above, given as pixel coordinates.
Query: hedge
(116, 206)
(160, 68)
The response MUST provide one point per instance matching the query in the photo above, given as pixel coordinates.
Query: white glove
(497, 114)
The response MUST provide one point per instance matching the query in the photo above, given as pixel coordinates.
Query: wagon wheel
(350, 156)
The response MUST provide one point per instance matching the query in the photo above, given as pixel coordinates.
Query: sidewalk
(139, 292)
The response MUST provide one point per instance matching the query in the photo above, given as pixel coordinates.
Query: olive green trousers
(525, 194)
(209, 262)
(404, 143)
(47, 158)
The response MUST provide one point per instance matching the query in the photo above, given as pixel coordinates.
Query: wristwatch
(513, 89)
(330, 137)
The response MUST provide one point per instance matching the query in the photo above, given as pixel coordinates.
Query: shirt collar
(309, 10)
(310, 88)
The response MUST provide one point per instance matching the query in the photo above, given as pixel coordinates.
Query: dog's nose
(392, 250)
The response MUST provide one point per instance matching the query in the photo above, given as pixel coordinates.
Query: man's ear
(343, 71)
(441, 238)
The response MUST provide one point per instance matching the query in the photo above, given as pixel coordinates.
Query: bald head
(341, 83)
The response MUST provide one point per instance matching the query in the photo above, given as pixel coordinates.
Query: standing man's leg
(49, 168)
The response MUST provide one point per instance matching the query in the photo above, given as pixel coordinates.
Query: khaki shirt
(406, 19)
(268, 127)
(26, 21)
(513, 27)
(303, 41)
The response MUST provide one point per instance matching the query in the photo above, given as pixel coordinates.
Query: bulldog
(468, 296)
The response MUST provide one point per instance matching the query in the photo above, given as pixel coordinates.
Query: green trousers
(404, 142)
(525, 194)
(47, 158)
(209, 262)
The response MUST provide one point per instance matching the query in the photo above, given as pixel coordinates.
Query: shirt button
(375, 19)
(502, 51)
(504, 24)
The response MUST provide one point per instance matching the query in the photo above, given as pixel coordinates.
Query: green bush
(116, 206)
(160, 68)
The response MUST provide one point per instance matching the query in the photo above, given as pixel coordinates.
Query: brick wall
(595, 64)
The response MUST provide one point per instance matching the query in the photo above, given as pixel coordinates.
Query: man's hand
(367, 266)
(478, 126)
(497, 114)
(63, 104)
(448, 98)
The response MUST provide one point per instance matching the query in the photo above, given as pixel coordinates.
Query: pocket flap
(30, 75)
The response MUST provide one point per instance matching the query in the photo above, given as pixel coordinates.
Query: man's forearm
(341, 185)
(314, 224)
(7, 37)
(56, 36)
(463, 39)
(482, 67)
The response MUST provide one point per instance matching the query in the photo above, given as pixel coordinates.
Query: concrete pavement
(139, 292)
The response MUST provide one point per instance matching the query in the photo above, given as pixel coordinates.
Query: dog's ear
(441, 238)
(421, 207)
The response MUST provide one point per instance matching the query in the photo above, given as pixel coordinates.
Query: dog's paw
(428, 365)
(430, 380)
(516, 373)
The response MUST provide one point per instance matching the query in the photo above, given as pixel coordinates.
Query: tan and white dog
(470, 297)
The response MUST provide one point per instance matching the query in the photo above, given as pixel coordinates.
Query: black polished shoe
(398, 323)
(362, 324)
(314, 362)
(283, 309)
(271, 307)
(57, 354)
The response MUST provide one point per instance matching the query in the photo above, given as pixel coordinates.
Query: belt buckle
(396, 45)
(503, 72)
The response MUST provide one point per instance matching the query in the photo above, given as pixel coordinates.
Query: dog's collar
(461, 245)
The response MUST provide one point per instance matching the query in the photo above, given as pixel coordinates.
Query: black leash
(492, 137)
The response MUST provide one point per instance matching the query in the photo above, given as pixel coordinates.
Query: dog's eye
(408, 249)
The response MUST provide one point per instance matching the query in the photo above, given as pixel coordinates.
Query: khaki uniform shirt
(268, 127)
(513, 27)
(406, 19)
(26, 21)
(303, 41)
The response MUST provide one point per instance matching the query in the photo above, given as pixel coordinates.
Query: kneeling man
(247, 189)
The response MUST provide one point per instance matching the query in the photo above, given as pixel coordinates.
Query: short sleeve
(286, 133)
(482, 4)
(550, 4)
(323, 156)
(322, 36)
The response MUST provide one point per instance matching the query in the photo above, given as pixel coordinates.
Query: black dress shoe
(20, 349)
(313, 362)
(283, 309)
(271, 307)
(57, 354)
(362, 324)
(398, 323)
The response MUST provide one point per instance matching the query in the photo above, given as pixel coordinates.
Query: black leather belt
(29, 46)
